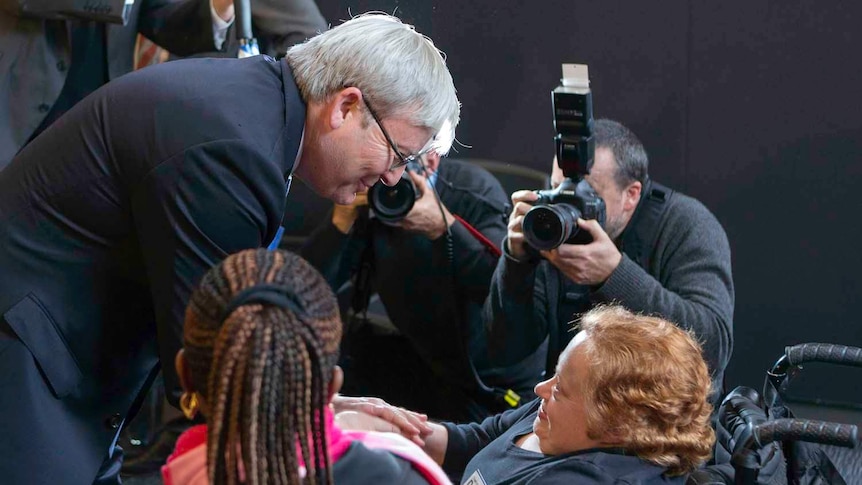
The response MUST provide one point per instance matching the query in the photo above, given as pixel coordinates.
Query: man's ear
(336, 382)
(183, 371)
(432, 161)
(342, 106)
(632, 196)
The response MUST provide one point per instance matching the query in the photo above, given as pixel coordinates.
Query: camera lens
(548, 226)
(391, 204)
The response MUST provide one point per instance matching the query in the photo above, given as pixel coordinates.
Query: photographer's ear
(632, 196)
(432, 161)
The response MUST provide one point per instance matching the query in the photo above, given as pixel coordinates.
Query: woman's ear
(336, 382)
(183, 371)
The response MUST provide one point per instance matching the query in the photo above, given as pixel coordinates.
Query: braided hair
(264, 369)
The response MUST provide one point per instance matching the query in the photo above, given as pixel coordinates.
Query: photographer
(58, 52)
(660, 252)
(432, 282)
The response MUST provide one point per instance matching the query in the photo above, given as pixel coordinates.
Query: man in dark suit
(110, 217)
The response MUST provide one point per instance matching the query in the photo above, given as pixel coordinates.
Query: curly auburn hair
(648, 387)
(264, 369)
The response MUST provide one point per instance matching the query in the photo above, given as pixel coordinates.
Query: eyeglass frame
(402, 159)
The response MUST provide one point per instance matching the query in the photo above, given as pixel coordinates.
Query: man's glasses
(402, 160)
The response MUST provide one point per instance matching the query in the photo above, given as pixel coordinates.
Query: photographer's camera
(554, 218)
(391, 204)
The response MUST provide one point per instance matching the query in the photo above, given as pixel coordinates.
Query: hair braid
(264, 369)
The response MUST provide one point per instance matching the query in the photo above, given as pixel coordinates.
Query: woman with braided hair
(260, 346)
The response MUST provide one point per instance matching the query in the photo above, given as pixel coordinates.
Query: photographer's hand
(521, 202)
(587, 264)
(425, 217)
(343, 216)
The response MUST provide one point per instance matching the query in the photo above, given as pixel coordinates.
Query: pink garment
(187, 465)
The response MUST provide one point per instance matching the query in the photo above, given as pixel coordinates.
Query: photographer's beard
(616, 215)
(615, 224)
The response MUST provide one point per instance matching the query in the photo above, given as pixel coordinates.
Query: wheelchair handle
(812, 431)
(829, 353)
(796, 355)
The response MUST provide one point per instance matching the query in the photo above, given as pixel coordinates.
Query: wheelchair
(759, 441)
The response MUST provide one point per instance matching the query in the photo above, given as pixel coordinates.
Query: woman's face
(561, 424)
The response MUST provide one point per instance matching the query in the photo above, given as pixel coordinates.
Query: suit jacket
(108, 220)
(35, 54)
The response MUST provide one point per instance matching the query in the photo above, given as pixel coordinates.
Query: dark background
(748, 105)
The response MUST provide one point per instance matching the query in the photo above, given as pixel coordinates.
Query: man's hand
(425, 217)
(587, 264)
(343, 216)
(413, 426)
(522, 201)
(359, 421)
(224, 9)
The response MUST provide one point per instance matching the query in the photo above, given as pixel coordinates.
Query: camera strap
(639, 239)
(363, 272)
(491, 247)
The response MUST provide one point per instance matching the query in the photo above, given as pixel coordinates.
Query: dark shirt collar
(294, 113)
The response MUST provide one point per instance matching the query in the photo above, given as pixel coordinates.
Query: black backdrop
(748, 105)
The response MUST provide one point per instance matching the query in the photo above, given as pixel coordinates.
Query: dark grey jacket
(687, 280)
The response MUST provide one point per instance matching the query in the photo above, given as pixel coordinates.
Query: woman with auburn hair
(629, 403)
(260, 346)
(648, 386)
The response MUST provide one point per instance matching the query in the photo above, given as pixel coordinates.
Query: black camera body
(554, 218)
(391, 204)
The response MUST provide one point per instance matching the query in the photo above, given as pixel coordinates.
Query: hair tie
(264, 293)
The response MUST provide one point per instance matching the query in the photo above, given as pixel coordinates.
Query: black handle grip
(838, 434)
(242, 14)
(830, 353)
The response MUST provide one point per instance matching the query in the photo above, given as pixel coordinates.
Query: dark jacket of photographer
(683, 276)
(428, 298)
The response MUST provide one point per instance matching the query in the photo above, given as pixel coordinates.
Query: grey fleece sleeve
(693, 285)
(515, 311)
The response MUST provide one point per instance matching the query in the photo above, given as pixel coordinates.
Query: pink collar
(339, 442)
(190, 439)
